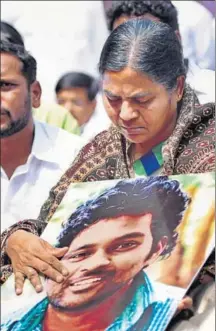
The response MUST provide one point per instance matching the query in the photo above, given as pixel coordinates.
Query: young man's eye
(78, 257)
(126, 246)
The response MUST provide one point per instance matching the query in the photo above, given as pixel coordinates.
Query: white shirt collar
(43, 147)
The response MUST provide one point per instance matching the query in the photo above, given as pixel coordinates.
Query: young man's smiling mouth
(86, 283)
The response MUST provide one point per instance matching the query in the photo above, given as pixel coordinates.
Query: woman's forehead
(128, 82)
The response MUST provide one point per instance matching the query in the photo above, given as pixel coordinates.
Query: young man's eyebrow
(130, 236)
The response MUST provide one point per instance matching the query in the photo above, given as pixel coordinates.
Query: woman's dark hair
(10, 34)
(78, 79)
(148, 47)
(29, 68)
(159, 196)
(164, 10)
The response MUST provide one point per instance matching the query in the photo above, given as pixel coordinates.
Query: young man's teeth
(88, 281)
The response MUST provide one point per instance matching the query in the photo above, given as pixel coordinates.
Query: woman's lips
(133, 130)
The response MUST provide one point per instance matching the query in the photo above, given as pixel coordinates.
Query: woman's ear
(180, 87)
(36, 92)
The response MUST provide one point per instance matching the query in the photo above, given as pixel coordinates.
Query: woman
(158, 128)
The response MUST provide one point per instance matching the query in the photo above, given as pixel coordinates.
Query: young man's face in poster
(103, 259)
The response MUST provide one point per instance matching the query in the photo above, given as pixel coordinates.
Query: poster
(135, 246)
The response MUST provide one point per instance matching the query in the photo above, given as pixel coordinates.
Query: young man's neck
(16, 149)
(97, 318)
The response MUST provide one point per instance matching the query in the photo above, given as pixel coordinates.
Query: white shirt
(63, 36)
(198, 36)
(203, 82)
(99, 121)
(22, 195)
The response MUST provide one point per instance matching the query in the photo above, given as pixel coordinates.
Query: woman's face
(143, 110)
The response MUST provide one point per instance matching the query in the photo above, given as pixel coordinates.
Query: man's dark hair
(147, 47)
(81, 80)
(162, 9)
(159, 196)
(29, 68)
(10, 34)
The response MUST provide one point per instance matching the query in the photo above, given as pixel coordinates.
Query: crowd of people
(89, 94)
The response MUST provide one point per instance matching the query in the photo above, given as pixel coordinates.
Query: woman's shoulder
(196, 152)
(205, 110)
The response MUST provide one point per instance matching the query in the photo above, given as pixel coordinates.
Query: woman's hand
(30, 255)
(186, 303)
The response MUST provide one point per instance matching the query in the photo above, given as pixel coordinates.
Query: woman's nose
(127, 113)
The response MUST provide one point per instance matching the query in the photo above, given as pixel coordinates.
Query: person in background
(9, 33)
(202, 81)
(58, 116)
(78, 93)
(198, 38)
(34, 155)
(68, 36)
(48, 113)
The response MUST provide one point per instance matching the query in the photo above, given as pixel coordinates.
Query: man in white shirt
(33, 155)
(62, 35)
(78, 92)
(201, 80)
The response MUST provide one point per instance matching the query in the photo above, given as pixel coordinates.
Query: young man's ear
(156, 251)
(36, 92)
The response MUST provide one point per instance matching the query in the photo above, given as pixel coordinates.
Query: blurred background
(68, 36)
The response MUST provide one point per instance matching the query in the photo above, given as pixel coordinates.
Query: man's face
(16, 97)
(76, 101)
(102, 259)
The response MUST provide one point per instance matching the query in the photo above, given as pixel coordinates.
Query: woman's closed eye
(142, 102)
(113, 99)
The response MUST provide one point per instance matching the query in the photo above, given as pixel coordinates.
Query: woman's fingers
(34, 278)
(19, 282)
(49, 259)
(186, 303)
(47, 270)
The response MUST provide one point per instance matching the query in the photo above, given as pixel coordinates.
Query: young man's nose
(97, 261)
